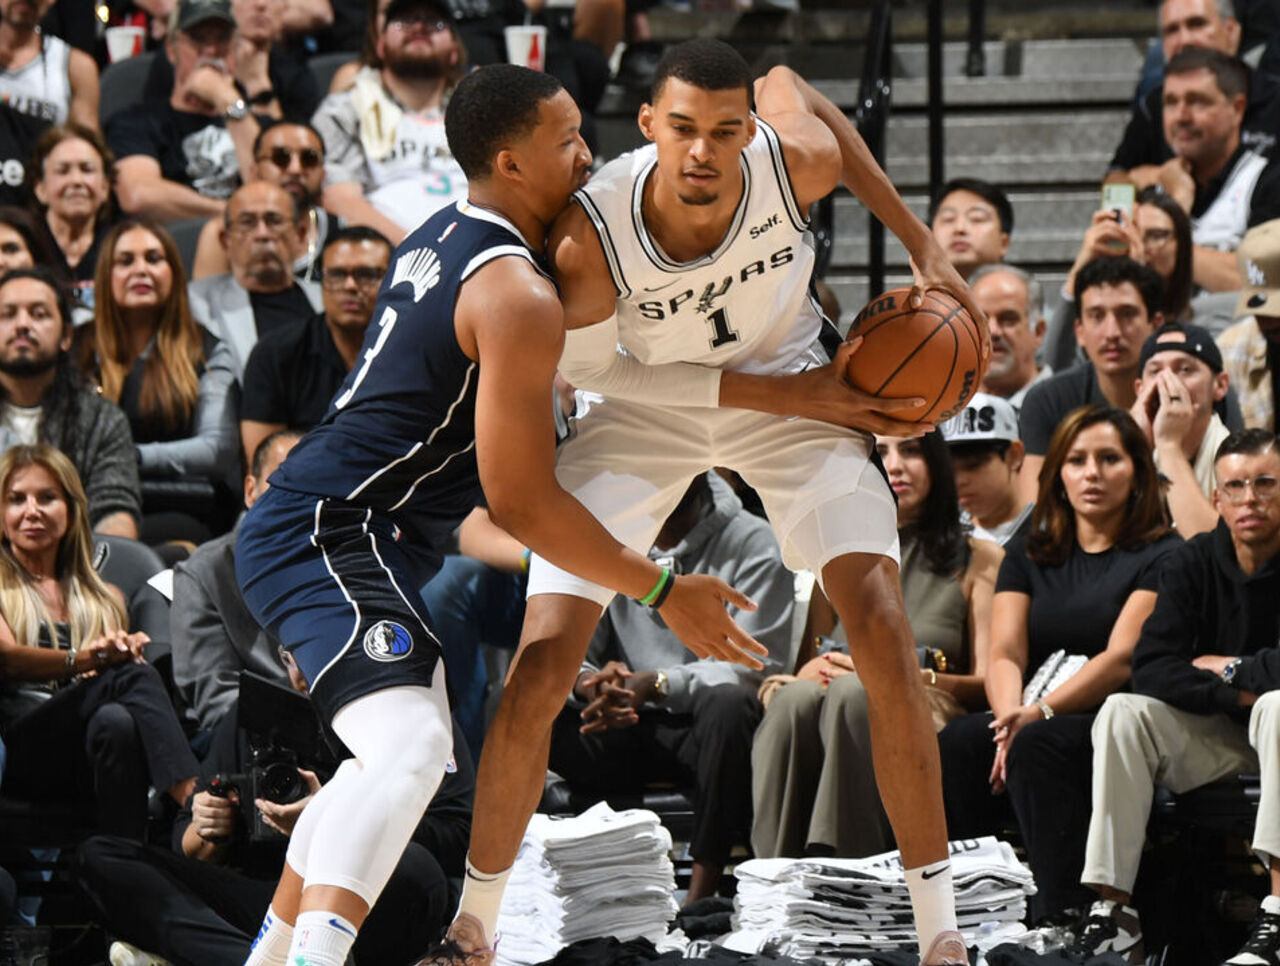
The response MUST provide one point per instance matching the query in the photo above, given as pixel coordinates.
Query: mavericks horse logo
(387, 641)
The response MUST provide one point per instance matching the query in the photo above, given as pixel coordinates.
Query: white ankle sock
(321, 939)
(932, 900)
(272, 945)
(482, 897)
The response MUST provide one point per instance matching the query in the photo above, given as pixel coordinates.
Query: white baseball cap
(986, 417)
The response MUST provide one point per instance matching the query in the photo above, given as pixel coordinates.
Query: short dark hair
(1250, 442)
(24, 223)
(257, 142)
(263, 448)
(491, 107)
(1116, 270)
(1230, 73)
(979, 448)
(985, 190)
(42, 274)
(703, 62)
(357, 234)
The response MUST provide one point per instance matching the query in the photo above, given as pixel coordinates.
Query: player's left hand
(695, 612)
(931, 269)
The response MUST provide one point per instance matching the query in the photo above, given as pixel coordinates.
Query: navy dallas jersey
(399, 436)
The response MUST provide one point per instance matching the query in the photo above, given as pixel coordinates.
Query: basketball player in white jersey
(685, 280)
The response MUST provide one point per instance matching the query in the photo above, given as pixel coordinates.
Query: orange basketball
(933, 352)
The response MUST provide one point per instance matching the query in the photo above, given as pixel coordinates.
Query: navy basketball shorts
(330, 581)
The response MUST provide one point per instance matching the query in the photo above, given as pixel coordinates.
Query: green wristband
(650, 597)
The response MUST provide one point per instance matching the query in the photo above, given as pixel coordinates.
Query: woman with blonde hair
(75, 688)
(171, 377)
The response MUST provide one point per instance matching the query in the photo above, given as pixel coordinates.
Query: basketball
(934, 351)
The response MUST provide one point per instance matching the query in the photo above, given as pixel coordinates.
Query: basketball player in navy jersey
(690, 256)
(453, 388)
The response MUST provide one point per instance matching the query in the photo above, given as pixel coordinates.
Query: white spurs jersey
(745, 306)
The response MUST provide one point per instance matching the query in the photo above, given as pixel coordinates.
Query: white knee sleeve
(402, 738)
(304, 831)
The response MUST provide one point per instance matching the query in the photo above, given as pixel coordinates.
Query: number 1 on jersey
(721, 333)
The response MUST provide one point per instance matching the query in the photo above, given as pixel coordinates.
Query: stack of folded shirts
(603, 873)
(838, 908)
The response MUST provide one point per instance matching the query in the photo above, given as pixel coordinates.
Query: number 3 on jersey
(721, 333)
(386, 324)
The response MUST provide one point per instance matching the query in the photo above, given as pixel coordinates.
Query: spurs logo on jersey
(744, 306)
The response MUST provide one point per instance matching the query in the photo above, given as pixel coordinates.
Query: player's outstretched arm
(591, 358)
(791, 105)
(509, 318)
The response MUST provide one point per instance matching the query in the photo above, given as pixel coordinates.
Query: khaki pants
(1141, 742)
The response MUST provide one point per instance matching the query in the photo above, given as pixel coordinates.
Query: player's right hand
(695, 612)
(826, 394)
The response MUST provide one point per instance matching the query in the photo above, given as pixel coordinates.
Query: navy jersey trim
(650, 247)
(606, 242)
(780, 171)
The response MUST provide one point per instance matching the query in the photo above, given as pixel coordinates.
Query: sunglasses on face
(280, 157)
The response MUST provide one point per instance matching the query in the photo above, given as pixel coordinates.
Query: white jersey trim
(606, 242)
(498, 251)
(355, 629)
(650, 247)
(776, 154)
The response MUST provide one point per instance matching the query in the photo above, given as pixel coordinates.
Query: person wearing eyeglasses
(388, 165)
(263, 230)
(171, 377)
(1205, 702)
(290, 155)
(294, 371)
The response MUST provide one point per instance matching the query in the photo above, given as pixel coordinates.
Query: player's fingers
(743, 648)
(731, 595)
(891, 405)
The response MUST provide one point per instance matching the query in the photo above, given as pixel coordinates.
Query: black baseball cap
(191, 13)
(397, 8)
(1176, 337)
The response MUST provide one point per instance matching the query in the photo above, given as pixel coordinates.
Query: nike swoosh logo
(659, 288)
(337, 925)
(926, 874)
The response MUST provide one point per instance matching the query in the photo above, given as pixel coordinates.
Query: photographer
(202, 907)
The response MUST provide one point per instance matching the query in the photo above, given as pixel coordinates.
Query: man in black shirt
(262, 233)
(294, 371)
(182, 157)
(1116, 298)
(1205, 703)
(1192, 23)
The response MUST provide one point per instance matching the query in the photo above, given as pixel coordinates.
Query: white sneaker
(124, 954)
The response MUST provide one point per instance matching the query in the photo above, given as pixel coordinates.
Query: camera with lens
(273, 777)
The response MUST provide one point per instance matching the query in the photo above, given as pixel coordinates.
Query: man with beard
(295, 370)
(290, 155)
(43, 81)
(44, 399)
(262, 232)
(182, 157)
(1014, 303)
(387, 164)
(1225, 186)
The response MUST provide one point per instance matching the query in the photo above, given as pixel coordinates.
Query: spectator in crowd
(1203, 707)
(214, 637)
(290, 155)
(387, 163)
(201, 903)
(1082, 581)
(1180, 384)
(1208, 24)
(22, 243)
(43, 81)
(76, 690)
(644, 708)
(1223, 185)
(172, 378)
(1158, 234)
(1014, 305)
(813, 779)
(262, 231)
(71, 174)
(986, 455)
(273, 79)
(294, 371)
(46, 400)
(182, 156)
(1251, 347)
(972, 221)
(1117, 303)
